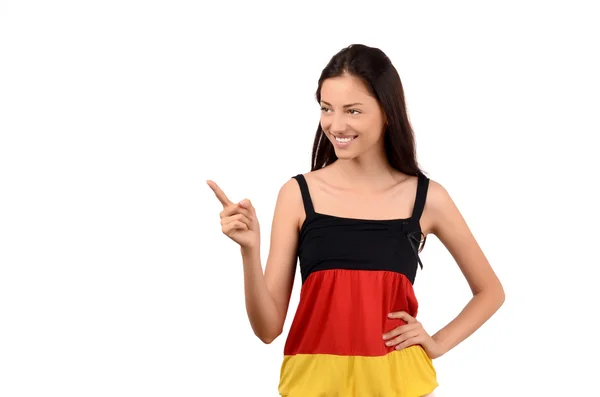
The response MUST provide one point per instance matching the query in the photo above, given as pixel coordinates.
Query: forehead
(345, 89)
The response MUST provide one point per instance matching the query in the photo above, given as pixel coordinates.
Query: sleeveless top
(354, 272)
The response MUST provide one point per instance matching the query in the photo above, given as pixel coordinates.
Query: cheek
(367, 128)
(376, 127)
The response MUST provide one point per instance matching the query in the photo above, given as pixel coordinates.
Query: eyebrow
(346, 106)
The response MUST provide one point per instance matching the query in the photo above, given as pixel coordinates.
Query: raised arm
(267, 293)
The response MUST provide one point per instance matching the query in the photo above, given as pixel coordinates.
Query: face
(350, 117)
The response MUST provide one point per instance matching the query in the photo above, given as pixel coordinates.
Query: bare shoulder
(439, 208)
(438, 197)
(289, 189)
(289, 200)
(289, 195)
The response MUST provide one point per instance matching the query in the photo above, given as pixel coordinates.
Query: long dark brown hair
(375, 69)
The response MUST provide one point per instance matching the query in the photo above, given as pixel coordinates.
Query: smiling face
(351, 117)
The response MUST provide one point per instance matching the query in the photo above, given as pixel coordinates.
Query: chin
(345, 155)
(348, 152)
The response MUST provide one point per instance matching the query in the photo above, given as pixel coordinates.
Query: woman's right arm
(268, 294)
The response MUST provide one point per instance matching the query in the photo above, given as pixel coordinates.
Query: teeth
(343, 140)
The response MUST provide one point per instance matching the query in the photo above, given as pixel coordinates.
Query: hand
(238, 220)
(412, 333)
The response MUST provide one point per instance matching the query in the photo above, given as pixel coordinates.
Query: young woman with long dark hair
(357, 222)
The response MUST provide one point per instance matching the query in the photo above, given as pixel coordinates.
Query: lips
(342, 142)
(345, 138)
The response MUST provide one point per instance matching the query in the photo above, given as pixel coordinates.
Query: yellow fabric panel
(403, 373)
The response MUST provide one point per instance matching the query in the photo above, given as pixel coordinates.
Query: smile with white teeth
(344, 140)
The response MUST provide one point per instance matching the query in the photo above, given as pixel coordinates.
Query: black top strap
(421, 196)
(308, 205)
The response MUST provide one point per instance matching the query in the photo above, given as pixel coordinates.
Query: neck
(367, 170)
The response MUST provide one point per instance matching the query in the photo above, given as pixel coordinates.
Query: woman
(356, 223)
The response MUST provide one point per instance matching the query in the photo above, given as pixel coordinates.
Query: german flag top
(354, 272)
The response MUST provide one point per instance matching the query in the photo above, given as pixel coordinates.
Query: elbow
(499, 295)
(494, 295)
(500, 292)
(268, 337)
(267, 340)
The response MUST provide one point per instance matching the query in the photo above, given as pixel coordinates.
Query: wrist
(441, 344)
(250, 249)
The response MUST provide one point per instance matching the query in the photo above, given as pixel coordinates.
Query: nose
(338, 123)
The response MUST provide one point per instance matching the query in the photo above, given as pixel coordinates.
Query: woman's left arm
(442, 218)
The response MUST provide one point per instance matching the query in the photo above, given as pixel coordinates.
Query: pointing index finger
(221, 196)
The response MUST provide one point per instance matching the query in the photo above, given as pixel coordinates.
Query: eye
(324, 109)
(354, 110)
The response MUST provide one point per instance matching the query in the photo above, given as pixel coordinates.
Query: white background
(115, 279)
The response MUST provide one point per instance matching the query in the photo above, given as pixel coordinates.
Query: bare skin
(348, 188)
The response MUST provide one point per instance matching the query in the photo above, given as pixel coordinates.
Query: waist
(345, 312)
